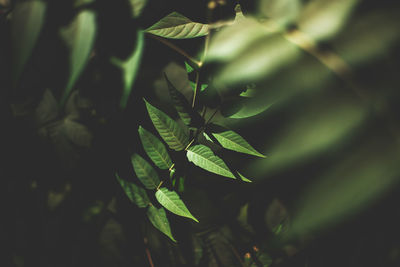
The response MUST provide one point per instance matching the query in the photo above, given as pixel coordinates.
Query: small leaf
(171, 201)
(130, 68)
(168, 129)
(202, 87)
(155, 149)
(176, 26)
(146, 174)
(137, 7)
(158, 218)
(79, 37)
(189, 68)
(233, 141)
(135, 193)
(26, 24)
(204, 158)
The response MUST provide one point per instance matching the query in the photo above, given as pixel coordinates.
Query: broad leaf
(158, 218)
(168, 129)
(79, 37)
(171, 201)
(233, 141)
(145, 172)
(135, 193)
(130, 68)
(204, 158)
(176, 26)
(26, 24)
(155, 149)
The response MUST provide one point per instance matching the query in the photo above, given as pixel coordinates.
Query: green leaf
(137, 7)
(168, 129)
(79, 36)
(26, 24)
(171, 201)
(233, 141)
(204, 158)
(189, 68)
(155, 149)
(130, 68)
(202, 87)
(176, 26)
(135, 193)
(158, 218)
(145, 172)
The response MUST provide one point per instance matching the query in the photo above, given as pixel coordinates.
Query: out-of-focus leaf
(176, 26)
(203, 157)
(155, 149)
(158, 218)
(171, 201)
(130, 68)
(281, 12)
(137, 7)
(168, 129)
(79, 37)
(135, 193)
(233, 141)
(26, 24)
(77, 133)
(145, 172)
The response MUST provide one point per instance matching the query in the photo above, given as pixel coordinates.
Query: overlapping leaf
(158, 218)
(177, 26)
(171, 201)
(135, 193)
(155, 149)
(79, 37)
(168, 129)
(145, 172)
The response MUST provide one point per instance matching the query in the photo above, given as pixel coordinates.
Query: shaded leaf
(79, 36)
(168, 129)
(176, 26)
(130, 68)
(135, 193)
(171, 201)
(26, 24)
(158, 218)
(204, 158)
(137, 7)
(145, 172)
(155, 149)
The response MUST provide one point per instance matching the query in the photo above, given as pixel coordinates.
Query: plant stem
(196, 89)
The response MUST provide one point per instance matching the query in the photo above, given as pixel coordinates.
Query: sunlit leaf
(79, 37)
(168, 129)
(155, 149)
(176, 26)
(233, 141)
(203, 157)
(130, 68)
(158, 218)
(145, 172)
(26, 24)
(135, 193)
(171, 201)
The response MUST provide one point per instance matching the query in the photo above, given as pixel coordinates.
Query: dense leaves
(145, 172)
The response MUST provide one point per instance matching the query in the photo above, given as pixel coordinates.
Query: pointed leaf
(233, 141)
(158, 217)
(176, 26)
(130, 68)
(145, 172)
(171, 201)
(155, 149)
(202, 87)
(189, 68)
(204, 158)
(26, 24)
(168, 129)
(135, 193)
(79, 37)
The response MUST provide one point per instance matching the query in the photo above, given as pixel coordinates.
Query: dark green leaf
(155, 149)
(171, 201)
(168, 129)
(145, 172)
(176, 26)
(135, 193)
(158, 218)
(27, 21)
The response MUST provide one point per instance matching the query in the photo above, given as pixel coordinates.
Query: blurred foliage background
(312, 84)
